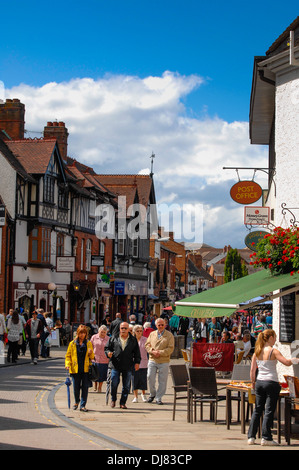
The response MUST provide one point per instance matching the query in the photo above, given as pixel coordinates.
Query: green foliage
(233, 267)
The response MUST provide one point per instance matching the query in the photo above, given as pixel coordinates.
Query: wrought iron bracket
(285, 210)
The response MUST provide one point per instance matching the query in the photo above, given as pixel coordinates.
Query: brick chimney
(12, 118)
(60, 133)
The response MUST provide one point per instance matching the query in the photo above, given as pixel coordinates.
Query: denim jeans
(266, 396)
(126, 383)
(81, 382)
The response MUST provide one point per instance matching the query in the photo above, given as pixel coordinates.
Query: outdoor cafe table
(245, 389)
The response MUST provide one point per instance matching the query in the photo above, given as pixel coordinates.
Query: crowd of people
(137, 354)
(241, 329)
(138, 350)
(18, 331)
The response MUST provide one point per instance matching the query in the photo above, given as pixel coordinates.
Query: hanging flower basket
(278, 251)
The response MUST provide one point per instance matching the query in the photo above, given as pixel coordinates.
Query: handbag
(93, 372)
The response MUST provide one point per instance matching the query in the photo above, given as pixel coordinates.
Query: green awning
(226, 299)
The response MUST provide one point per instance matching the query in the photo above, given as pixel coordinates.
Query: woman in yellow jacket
(77, 360)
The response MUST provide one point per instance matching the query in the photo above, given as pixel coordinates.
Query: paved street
(26, 419)
(34, 415)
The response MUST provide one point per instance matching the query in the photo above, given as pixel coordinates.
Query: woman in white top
(266, 385)
(15, 328)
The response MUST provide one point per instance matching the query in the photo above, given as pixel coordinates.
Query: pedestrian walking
(147, 330)
(49, 321)
(183, 328)
(159, 345)
(140, 375)
(33, 331)
(99, 342)
(260, 325)
(2, 326)
(124, 354)
(200, 327)
(266, 385)
(15, 329)
(45, 332)
(214, 330)
(115, 324)
(22, 340)
(77, 361)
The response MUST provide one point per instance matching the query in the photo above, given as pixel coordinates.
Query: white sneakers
(264, 442)
(135, 399)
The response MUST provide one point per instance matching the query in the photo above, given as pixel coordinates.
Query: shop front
(131, 296)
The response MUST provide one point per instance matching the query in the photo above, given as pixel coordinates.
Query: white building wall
(287, 171)
(287, 145)
(8, 185)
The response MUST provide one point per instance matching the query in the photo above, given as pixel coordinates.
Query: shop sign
(246, 192)
(97, 260)
(65, 264)
(253, 238)
(130, 287)
(103, 281)
(254, 215)
(119, 288)
(163, 294)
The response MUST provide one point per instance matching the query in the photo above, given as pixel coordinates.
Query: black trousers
(266, 396)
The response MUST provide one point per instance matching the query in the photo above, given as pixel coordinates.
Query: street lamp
(52, 286)
(27, 284)
(76, 286)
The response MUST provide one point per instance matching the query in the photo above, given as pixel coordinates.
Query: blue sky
(216, 40)
(195, 56)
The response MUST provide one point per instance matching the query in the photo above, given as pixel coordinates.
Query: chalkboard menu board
(287, 318)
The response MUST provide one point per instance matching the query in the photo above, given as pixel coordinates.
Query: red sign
(217, 355)
(246, 192)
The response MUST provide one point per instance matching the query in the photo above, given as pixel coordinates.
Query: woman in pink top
(98, 342)
(140, 376)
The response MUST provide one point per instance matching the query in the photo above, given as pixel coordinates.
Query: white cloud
(116, 122)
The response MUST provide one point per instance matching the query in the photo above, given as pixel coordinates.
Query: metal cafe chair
(241, 372)
(292, 407)
(291, 412)
(180, 379)
(203, 389)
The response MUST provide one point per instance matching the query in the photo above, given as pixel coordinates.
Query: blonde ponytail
(262, 339)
